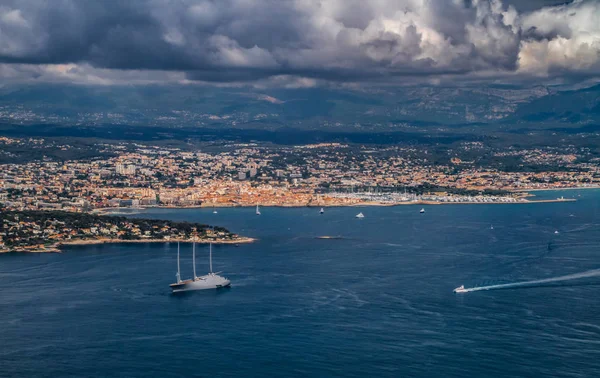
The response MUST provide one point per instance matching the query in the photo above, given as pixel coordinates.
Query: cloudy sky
(298, 42)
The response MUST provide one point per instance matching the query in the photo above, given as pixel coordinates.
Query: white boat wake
(568, 277)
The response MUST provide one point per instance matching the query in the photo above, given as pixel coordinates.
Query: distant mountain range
(386, 109)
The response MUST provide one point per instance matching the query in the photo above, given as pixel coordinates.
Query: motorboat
(460, 289)
(257, 210)
(321, 211)
(422, 210)
(360, 215)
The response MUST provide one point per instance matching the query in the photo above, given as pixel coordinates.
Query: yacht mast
(210, 257)
(194, 257)
(178, 271)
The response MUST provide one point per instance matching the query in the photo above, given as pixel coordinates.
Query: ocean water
(377, 301)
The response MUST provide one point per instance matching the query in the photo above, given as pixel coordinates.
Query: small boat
(422, 210)
(321, 211)
(257, 210)
(556, 232)
(208, 281)
(360, 215)
(491, 227)
(460, 289)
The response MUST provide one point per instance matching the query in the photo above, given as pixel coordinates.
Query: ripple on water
(377, 303)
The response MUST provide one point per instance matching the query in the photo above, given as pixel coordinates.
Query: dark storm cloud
(338, 40)
(533, 5)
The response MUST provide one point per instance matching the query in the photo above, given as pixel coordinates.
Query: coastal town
(328, 174)
(48, 202)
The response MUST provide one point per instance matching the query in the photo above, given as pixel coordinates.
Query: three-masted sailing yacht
(208, 281)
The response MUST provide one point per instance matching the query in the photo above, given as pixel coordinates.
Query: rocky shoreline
(56, 247)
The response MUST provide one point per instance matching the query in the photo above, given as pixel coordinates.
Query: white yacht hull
(210, 281)
(461, 289)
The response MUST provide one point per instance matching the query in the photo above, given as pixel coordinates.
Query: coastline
(126, 210)
(556, 189)
(56, 247)
(524, 202)
(241, 240)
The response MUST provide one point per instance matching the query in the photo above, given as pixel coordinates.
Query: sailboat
(208, 281)
(257, 210)
(321, 211)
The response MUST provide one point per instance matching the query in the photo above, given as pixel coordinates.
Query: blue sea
(376, 301)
